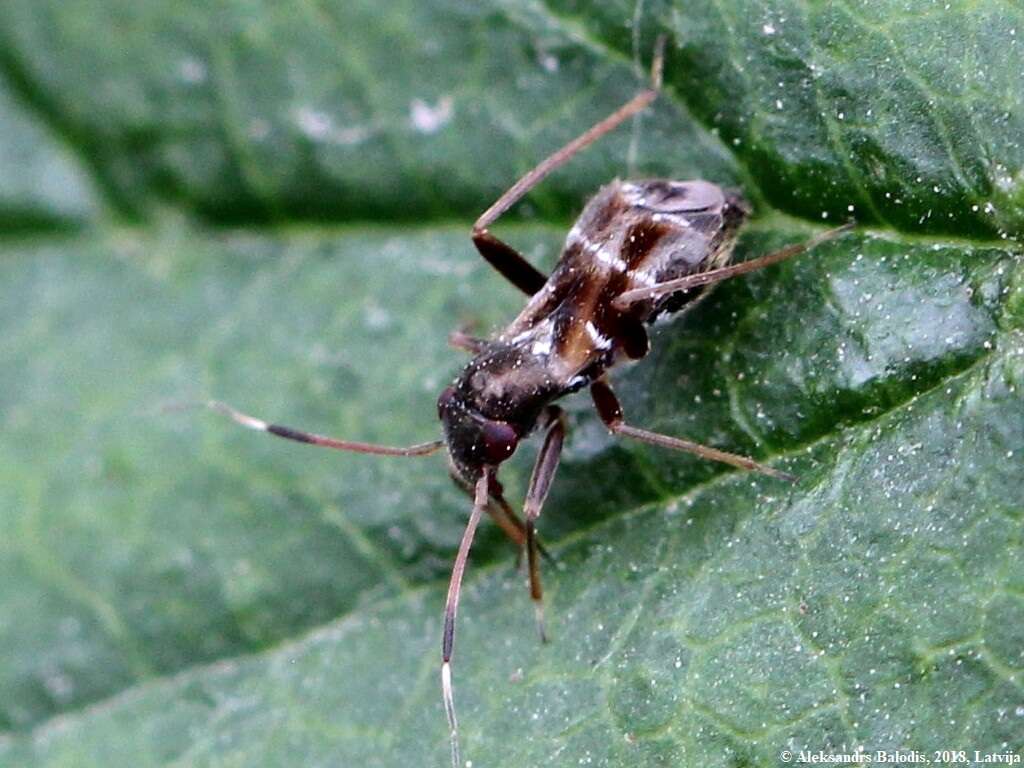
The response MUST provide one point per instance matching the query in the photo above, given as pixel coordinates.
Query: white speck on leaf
(430, 119)
(549, 61)
(192, 71)
(316, 125)
(376, 317)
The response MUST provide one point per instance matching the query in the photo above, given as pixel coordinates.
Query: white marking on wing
(610, 259)
(643, 278)
(600, 340)
(541, 346)
(540, 330)
(601, 254)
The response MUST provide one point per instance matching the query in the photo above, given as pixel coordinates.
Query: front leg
(540, 483)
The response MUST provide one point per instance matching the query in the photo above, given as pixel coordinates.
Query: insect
(639, 250)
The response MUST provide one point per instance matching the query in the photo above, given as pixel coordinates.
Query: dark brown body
(631, 235)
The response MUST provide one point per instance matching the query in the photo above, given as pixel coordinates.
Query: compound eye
(444, 400)
(682, 197)
(500, 441)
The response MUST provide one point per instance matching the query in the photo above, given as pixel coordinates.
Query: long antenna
(451, 608)
(588, 137)
(310, 438)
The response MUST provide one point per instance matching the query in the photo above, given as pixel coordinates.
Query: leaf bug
(638, 251)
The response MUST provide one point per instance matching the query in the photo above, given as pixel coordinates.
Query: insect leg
(623, 300)
(502, 513)
(498, 496)
(610, 411)
(540, 483)
(310, 438)
(503, 257)
(451, 608)
(464, 341)
(508, 261)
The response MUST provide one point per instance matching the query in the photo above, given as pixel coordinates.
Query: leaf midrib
(298, 229)
(117, 212)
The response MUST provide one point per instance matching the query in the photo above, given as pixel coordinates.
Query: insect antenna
(451, 608)
(588, 137)
(310, 438)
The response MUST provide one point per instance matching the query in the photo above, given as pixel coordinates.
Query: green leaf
(177, 591)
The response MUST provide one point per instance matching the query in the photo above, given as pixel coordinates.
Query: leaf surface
(176, 591)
